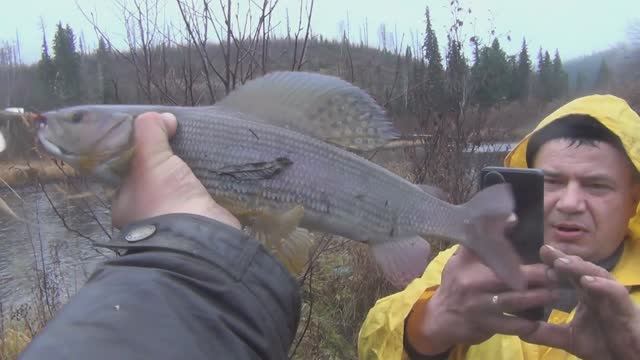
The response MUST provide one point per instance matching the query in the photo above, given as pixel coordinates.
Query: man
(190, 285)
(589, 150)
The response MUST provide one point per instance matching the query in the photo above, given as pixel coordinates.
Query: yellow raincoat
(381, 336)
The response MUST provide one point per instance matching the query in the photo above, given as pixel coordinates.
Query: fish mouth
(54, 149)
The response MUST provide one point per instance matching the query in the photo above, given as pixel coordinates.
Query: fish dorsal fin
(322, 106)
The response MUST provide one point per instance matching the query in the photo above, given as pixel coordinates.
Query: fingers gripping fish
(278, 152)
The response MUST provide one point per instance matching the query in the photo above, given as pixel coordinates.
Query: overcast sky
(575, 27)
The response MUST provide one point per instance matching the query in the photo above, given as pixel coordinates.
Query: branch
(306, 38)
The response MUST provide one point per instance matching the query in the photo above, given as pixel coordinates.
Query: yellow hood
(612, 112)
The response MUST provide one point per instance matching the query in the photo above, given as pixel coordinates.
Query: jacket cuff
(411, 352)
(223, 245)
(225, 248)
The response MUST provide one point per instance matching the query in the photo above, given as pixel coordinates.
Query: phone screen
(528, 190)
(527, 236)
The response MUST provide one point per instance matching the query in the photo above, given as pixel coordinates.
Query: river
(43, 242)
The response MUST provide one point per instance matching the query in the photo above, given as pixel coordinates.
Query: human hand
(158, 181)
(470, 305)
(607, 322)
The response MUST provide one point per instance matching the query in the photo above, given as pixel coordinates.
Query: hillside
(619, 57)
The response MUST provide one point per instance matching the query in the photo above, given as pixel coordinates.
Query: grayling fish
(275, 152)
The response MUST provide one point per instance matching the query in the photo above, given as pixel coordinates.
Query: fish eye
(77, 117)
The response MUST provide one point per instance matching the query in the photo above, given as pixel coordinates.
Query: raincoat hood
(614, 113)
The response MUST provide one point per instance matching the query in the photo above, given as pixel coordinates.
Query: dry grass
(17, 173)
(338, 292)
(13, 341)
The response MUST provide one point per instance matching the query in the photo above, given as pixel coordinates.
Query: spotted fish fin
(402, 260)
(322, 106)
(279, 232)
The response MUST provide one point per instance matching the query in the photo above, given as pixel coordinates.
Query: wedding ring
(494, 300)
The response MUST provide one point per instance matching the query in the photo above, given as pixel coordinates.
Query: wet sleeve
(382, 333)
(187, 287)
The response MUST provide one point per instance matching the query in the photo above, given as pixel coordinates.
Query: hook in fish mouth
(54, 149)
(3, 142)
(38, 120)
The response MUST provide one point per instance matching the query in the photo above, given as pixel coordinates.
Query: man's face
(589, 197)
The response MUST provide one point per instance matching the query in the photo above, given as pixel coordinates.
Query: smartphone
(527, 235)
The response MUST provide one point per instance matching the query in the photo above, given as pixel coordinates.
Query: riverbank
(16, 173)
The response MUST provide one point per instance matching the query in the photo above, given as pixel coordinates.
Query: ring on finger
(495, 299)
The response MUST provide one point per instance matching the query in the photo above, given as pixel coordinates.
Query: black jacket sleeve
(187, 287)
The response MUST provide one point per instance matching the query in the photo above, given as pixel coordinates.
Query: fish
(284, 154)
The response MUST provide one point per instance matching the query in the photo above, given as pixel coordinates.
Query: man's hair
(578, 129)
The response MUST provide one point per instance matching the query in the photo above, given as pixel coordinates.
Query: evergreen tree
(67, 63)
(560, 77)
(47, 73)
(492, 76)
(580, 83)
(512, 64)
(603, 80)
(434, 71)
(456, 73)
(544, 85)
(105, 73)
(523, 74)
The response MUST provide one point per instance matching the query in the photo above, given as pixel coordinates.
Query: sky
(574, 27)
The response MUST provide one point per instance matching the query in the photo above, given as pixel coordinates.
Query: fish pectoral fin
(296, 250)
(244, 213)
(254, 171)
(402, 260)
(279, 232)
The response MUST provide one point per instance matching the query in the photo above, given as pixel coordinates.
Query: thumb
(152, 132)
(465, 255)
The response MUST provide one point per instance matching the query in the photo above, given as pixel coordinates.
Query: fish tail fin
(487, 218)
(402, 260)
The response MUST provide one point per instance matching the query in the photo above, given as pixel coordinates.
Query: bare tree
(9, 62)
(298, 61)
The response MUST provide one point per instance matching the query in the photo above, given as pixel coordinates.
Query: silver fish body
(254, 164)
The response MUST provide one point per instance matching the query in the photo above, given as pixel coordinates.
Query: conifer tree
(456, 73)
(560, 78)
(603, 80)
(67, 63)
(434, 68)
(105, 72)
(522, 74)
(47, 73)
